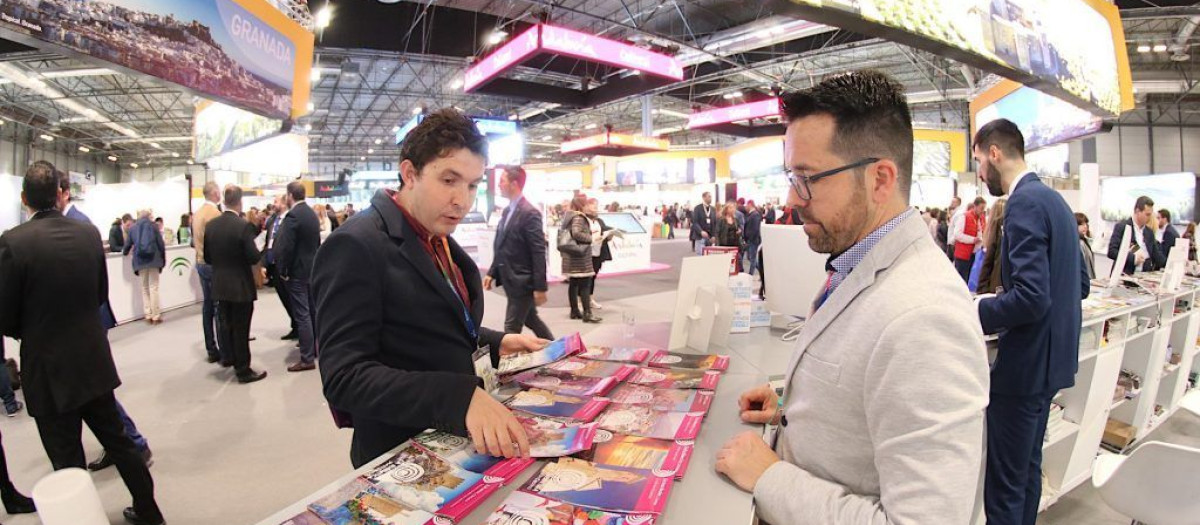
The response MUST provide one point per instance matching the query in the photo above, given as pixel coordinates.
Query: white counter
(178, 286)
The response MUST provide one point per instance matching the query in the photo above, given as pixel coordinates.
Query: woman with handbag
(728, 233)
(575, 244)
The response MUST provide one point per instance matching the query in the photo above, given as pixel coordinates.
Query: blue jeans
(752, 255)
(131, 429)
(302, 314)
(208, 312)
(699, 245)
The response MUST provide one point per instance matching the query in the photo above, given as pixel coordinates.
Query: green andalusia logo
(181, 265)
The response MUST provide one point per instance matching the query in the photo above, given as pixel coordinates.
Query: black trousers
(234, 326)
(1016, 427)
(596, 264)
(60, 435)
(285, 297)
(579, 289)
(522, 312)
(964, 267)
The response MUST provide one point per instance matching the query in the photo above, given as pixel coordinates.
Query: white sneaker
(597, 306)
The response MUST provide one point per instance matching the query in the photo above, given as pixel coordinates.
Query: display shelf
(1065, 430)
(1170, 369)
(1117, 404)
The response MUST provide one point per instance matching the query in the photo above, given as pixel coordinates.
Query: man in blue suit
(1037, 313)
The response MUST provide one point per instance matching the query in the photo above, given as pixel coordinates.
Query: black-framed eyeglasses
(800, 183)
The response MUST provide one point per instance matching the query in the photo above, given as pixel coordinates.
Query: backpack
(145, 243)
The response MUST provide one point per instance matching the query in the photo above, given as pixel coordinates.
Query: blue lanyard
(466, 313)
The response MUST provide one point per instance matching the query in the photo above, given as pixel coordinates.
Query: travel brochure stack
(620, 423)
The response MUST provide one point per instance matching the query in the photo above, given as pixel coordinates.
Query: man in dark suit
(295, 250)
(274, 222)
(229, 247)
(1037, 314)
(704, 217)
(519, 261)
(1144, 249)
(1169, 235)
(399, 306)
(52, 282)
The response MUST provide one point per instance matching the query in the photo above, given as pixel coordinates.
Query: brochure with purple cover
(551, 438)
(586, 368)
(419, 478)
(672, 378)
(647, 422)
(557, 350)
(603, 487)
(623, 450)
(616, 354)
(461, 451)
(564, 384)
(668, 399)
(524, 508)
(549, 404)
(665, 359)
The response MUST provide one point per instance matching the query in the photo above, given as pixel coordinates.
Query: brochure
(640, 452)
(523, 508)
(668, 399)
(647, 422)
(567, 385)
(419, 478)
(304, 518)
(551, 438)
(576, 367)
(546, 403)
(602, 487)
(665, 359)
(618, 355)
(461, 451)
(555, 351)
(361, 503)
(672, 378)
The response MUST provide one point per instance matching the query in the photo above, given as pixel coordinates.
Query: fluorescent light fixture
(133, 165)
(665, 131)
(190, 162)
(362, 158)
(315, 75)
(311, 107)
(513, 117)
(395, 129)
(79, 72)
(175, 154)
(1144, 48)
(496, 37)
(323, 17)
(112, 158)
(457, 84)
(548, 137)
(591, 126)
(155, 145)
(378, 142)
(308, 127)
(417, 111)
(370, 151)
(46, 137)
(1160, 48)
(84, 149)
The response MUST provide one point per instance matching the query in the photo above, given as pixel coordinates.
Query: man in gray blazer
(888, 383)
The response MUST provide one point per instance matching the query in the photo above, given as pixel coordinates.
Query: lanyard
(454, 291)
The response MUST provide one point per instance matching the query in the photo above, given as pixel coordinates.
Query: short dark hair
(158, 219)
(233, 196)
(1142, 202)
(871, 118)
(126, 217)
(516, 174)
(1003, 134)
(41, 186)
(438, 135)
(296, 190)
(1165, 213)
(978, 201)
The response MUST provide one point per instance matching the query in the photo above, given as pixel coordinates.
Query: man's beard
(837, 239)
(994, 184)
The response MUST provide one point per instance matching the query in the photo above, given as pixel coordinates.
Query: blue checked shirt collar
(843, 264)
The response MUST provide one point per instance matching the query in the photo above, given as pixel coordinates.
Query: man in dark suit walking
(274, 222)
(399, 305)
(295, 250)
(52, 282)
(704, 217)
(229, 247)
(1144, 249)
(519, 263)
(1037, 314)
(1168, 233)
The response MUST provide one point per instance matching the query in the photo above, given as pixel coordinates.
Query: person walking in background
(116, 236)
(769, 216)
(322, 219)
(230, 249)
(183, 237)
(1037, 317)
(578, 268)
(52, 277)
(1190, 234)
(333, 218)
(208, 312)
(601, 234)
(728, 232)
(669, 218)
(149, 257)
(1144, 250)
(1166, 233)
(519, 263)
(968, 236)
(167, 234)
(955, 215)
(295, 250)
(269, 262)
(752, 235)
(943, 230)
(989, 272)
(704, 219)
(1085, 245)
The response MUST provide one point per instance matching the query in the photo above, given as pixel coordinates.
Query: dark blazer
(753, 230)
(116, 238)
(107, 318)
(158, 253)
(229, 247)
(605, 251)
(519, 264)
(52, 282)
(269, 227)
(1155, 259)
(1168, 242)
(296, 247)
(1039, 314)
(396, 347)
(703, 222)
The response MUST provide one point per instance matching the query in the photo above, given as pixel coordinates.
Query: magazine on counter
(524, 508)
(461, 451)
(623, 450)
(668, 399)
(665, 359)
(419, 478)
(549, 404)
(552, 438)
(558, 349)
(360, 503)
(644, 421)
(673, 378)
(618, 355)
(602, 487)
(304, 518)
(576, 367)
(565, 384)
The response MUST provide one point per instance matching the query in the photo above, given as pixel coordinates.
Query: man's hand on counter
(759, 405)
(745, 458)
(494, 429)
(521, 343)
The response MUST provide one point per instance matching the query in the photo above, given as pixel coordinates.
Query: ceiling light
(370, 151)
(311, 107)
(112, 158)
(395, 129)
(190, 162)
(155, 145)
(496, 37)
(308, 127)
(323, 17)
(634, 73)
(362, 158)
(415, 111)
(736, 94)
(548, 137)
(46, 137)
(1144, 48)
(457, 84)
(175, 154)
(1159, 48)
(591, 126)
(133, 165)
(1, 122)
(513, 117)
(378, 142)
(84, 149)
(315, 75)
(79, 72)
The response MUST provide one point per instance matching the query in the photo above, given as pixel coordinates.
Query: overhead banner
(1074, 49)
(1043, 119)
(221, 129)
(747, 111)
(245, 53)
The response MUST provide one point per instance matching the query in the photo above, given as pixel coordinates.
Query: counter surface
(178, 286)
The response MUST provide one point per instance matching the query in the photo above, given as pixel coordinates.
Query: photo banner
(219, 129)
(244, 53)
(1072, 49)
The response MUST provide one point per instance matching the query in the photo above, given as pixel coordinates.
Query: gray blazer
(885, 398)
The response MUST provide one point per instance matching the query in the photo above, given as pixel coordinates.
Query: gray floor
(232, 454)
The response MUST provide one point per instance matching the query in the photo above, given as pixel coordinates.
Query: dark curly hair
(871, 116)
(440, 134)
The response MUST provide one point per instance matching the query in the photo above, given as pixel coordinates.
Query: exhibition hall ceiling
(377, 63)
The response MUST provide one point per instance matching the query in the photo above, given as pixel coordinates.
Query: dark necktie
(503, 220)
